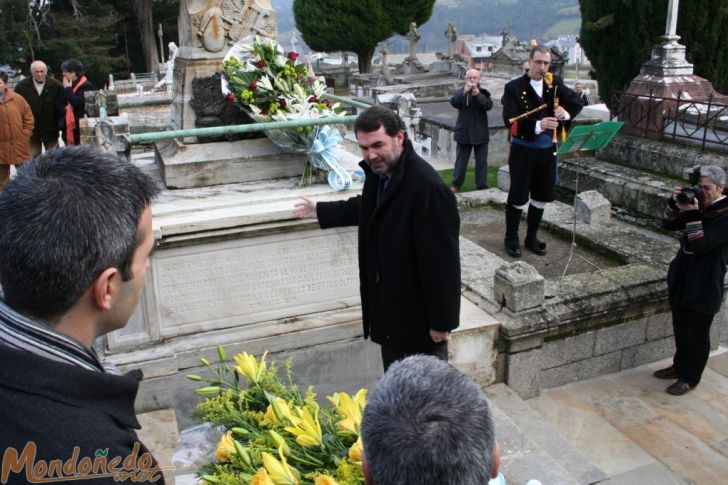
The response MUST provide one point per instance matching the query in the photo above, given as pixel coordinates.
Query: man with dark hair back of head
(75, 240)
(427, 423)
(409, 257)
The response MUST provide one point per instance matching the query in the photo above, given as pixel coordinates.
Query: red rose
(293, 56)
(253, 85)
(326, 102)
(264, 111)
(229, 98)
(283, 102)
(312, 99)
(260, 64)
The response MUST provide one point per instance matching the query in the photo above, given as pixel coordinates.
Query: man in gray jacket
(471, 130)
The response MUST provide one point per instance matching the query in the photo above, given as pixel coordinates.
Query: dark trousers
(692, 343)
(533, 174)
(391, 355)
(462, 157)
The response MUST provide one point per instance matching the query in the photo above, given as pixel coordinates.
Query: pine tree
(356, 25)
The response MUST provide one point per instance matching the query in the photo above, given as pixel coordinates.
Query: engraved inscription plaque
(232, 283)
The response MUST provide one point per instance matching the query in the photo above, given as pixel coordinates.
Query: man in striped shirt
(75, 240)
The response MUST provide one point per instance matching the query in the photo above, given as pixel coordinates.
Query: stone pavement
(623, 425)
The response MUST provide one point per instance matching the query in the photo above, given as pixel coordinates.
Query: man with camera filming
(695, 277)
(471, 130)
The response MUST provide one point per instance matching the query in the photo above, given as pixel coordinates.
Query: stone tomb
(233, 268)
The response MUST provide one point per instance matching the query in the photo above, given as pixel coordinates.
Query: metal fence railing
(702, 123)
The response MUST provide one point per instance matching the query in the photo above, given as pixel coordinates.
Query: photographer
(471, 130)
(695, 277)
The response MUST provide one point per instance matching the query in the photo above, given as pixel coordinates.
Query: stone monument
(412, 64)
(666, 75)
(452, 36)
(207, 29)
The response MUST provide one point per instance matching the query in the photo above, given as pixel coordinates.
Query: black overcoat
(60, 407)
(409, 257)
(695, 279)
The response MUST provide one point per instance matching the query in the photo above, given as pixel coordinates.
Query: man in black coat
(75, 239)
(538, 108)
(471, 130)
(41, 92)
(696, 276)
(409, 257)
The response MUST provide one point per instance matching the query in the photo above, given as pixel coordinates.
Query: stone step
(632, 189)
(628, 426)
(658, 156)
(531, 448)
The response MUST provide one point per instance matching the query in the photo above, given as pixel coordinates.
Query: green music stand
(588, 137)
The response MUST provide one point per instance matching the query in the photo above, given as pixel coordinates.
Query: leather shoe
(679, 388)
(666, 373)
(535, 246)
(513, 249)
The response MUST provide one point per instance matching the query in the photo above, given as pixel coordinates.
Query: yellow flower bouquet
(274, 434)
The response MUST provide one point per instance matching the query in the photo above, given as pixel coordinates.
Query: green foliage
(618, 38)
(90, 39)
(17, 36)
(344, 25)
(102, 34)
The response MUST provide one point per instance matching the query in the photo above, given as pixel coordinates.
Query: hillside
(476, 17)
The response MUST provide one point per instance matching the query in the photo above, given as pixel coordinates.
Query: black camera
(692, 192)
(688, 194)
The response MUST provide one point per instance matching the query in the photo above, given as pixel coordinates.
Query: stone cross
(160, 34)
(452, 36)
(294, 42)
(671, 26)
(413, 35)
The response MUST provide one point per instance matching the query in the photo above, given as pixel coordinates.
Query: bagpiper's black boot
(513, 219)
(534, 221)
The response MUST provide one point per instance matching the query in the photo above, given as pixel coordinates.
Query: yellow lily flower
(225, 448)
(261, 478)
(356, 450)
(350, 408)
(249, 367)
(325, 480)
(283, 410)
(306, 428)
(280, 472)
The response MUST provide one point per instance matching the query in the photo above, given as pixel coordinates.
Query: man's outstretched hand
(305, 209)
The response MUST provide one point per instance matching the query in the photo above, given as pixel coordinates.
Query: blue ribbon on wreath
(323, 156)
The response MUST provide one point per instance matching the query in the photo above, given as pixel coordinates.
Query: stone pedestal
(188, 65)
(666, 75)
(592, 207)
(205, 164)
(518, 286)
